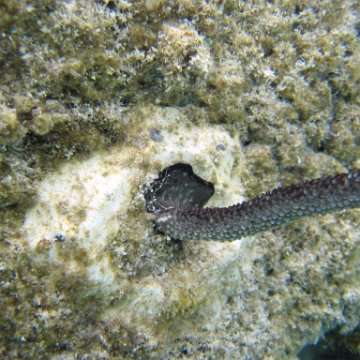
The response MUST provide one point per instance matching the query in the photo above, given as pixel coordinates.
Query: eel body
(179, 210)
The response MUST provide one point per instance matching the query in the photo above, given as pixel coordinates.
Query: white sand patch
(82, 202)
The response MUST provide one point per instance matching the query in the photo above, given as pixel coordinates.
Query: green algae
(81, 78)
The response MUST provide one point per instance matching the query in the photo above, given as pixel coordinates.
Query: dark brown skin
(267, 211)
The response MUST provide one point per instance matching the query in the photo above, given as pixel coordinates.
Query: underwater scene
(180, 179)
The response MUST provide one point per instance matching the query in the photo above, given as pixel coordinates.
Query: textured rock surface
(95, 99)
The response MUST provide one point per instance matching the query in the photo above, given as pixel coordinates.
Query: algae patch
(252, 94)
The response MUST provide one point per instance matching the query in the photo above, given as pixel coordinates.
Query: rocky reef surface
(96, 98)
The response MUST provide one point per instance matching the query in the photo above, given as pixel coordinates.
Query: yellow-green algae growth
(96, 98)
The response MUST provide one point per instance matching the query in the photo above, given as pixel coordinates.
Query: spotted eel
(177, 198)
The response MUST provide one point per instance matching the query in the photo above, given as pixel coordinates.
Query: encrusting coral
(96, 97)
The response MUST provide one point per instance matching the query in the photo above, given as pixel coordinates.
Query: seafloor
(96, 98)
